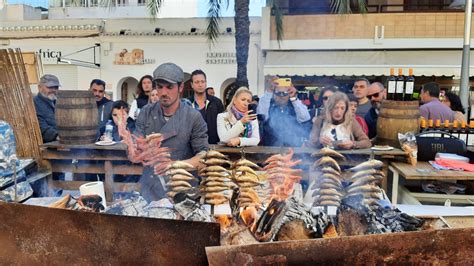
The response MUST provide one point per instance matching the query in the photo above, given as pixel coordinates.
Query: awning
(363, 63)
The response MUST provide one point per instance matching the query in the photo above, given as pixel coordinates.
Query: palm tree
(242, 34)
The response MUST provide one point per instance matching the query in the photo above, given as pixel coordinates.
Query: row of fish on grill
(220, 177)
(331, 188)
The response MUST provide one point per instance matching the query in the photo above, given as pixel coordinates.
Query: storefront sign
(220, 58)
(49, 56)
(135, 57)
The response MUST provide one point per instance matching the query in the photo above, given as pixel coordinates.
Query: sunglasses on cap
(373, 95)
(281, 93)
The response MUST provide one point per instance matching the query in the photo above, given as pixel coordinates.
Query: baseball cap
(50, 81)
(169, 72)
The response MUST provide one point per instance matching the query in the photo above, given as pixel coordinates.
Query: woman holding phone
(337, 128)
(238, 126)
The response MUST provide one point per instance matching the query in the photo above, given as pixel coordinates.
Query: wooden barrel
(397, 117)
(76, 117)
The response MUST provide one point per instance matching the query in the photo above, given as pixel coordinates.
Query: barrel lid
(74, 93)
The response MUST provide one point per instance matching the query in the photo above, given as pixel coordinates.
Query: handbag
(428, 146)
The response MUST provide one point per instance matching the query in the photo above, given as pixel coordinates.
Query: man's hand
(325, 140)
(292, 92)
(273, 84)
(234, 142)
(346, 145)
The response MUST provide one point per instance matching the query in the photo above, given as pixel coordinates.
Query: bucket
(76, 117)
(94, 188)
(397, 117)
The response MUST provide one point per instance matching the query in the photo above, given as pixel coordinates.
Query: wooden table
(112, 160)
(424, 171)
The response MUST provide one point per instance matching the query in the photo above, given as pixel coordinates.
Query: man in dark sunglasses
(376, 94)
(287, 120)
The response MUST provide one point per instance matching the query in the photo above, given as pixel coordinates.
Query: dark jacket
(104, 108)
(142, 100)
(209, 113)
(283, 129)
(45, 112)
(371, 120)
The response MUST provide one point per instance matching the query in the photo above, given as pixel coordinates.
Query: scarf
(248, 127)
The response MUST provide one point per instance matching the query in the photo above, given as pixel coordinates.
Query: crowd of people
(277, 118)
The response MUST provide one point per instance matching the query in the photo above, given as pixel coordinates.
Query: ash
(192, 211)
(378, 219)
(186, 209)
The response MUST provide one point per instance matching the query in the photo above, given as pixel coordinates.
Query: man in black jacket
(377, 93)
(209, 106)
(104, 105)
(45, 103)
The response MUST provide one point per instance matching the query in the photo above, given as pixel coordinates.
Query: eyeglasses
(373, 95)
(281, 93)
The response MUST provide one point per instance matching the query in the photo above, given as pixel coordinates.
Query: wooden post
(109, 181)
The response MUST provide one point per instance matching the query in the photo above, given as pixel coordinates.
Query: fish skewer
(215, 184)
(330, 153)
(371, 164)
(246, 178)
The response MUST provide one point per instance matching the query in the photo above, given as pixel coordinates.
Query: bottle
(430, 123)
(423, 122)
(409, 86)
(391, 85)
(109, 128)
(400, 86)
(438, 123)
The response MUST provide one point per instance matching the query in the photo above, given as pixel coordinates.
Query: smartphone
(283, 82)
(253, 107)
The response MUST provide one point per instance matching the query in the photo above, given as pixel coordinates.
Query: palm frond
(362, 4)
(275, 7)
(213, 19)
(344, 6)
(109, 4)
(153, 7)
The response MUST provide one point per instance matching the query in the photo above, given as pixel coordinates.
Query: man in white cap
(45, 103)
(183, 128)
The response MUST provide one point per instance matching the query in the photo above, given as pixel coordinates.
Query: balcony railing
(386, 8)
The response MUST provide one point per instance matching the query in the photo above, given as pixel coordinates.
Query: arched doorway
(226, 89)
(126, 89)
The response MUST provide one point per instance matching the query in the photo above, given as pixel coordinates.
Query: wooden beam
(84, 155)
(77, 168)
(132, 169)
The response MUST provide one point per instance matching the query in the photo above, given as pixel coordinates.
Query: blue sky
(255, 6)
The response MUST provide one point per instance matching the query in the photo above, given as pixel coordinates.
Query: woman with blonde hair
(238, 126)
(338, 128)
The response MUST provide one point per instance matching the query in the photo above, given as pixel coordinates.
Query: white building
(120, 51)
